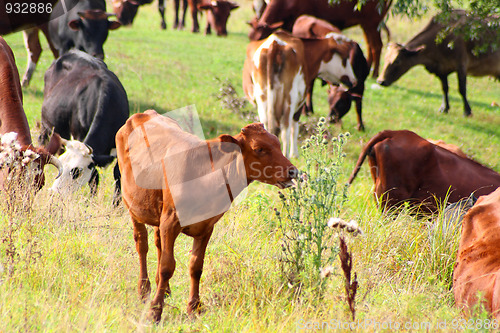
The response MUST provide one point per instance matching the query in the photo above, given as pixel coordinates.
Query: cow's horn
(55, 162)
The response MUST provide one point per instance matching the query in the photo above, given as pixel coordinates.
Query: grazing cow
(344, 14)
(477, 269)
(150, 198)
(452, 54)
(217, 15)
(278, 72)
(85, 100)
(408, 168)
(85, 27)
(13, 118)
(339, 98)
(126, 10)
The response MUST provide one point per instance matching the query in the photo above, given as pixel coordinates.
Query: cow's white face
(77, 168)
(337, 69)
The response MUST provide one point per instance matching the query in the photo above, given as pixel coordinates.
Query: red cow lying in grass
(408, 168)
(477, 269)
(151, 191)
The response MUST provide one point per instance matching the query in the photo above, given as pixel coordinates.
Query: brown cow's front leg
(374, 42)
(196, 269)
(32, 43)
(168, 230)
(141, 244)
(194, 15)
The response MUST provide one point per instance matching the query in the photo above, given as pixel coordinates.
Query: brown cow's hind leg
(141, 244)
(169, 230)
(195, 270)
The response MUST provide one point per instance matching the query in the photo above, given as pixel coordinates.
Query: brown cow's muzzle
(293, 172)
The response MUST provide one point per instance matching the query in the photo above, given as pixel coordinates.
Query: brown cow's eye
(259, 150)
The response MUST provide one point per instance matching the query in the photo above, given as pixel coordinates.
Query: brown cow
(217, 15)
(344, 14)
(13, 118)
(278, 72)
(452, 54)
(339, 98)
(151, 191)
(126, 10)
(408, 168)
(477, 269)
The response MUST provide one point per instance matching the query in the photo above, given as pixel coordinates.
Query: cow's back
(478, 258)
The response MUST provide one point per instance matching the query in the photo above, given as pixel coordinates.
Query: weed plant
(308, 246)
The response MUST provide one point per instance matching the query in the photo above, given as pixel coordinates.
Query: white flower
(9, 138)
(334, 222)
(326, 272)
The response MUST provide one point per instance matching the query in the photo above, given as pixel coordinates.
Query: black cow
(85, 100)
(85, 27)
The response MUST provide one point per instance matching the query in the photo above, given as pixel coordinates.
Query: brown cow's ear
(113, 25)
(228, 148)
(233, 5)
(275, 25)
(74, 24)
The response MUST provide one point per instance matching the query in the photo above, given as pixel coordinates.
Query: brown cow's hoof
(144, 290)
(163, 25)
(154, 314)
(195, 308)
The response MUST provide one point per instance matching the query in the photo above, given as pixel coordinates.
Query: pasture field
(69, 264)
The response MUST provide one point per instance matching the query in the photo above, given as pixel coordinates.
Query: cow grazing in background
(153, 203)
(13, 118)
(217, 15)
(477, 269)
(85, 27)
(31, 22)
(126, 10)
(278, 72)
(283, 13)
(339, 98)
(408, 168)
(86, 101)
(452, 54)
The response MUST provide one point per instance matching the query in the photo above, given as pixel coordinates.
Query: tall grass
(84, 275)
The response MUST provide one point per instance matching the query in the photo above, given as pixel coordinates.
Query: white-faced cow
(342, 14)
(169, 185)
(339, 98)
(217, 15)
(452, 54)
(13, 120)
(84, 27)
(86, 101)
(407, 168)
(278, 72)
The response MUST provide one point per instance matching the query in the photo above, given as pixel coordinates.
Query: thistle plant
(309, 245)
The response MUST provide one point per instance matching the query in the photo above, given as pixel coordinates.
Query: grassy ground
(74, 261)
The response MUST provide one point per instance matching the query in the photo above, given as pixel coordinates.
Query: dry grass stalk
(350, 287)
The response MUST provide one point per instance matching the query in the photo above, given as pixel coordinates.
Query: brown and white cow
(278, 72)
(452, 54)
(339, 98)
(344, 14)
(13, 118)
(407, 168)
(151, 190)
(477, 269)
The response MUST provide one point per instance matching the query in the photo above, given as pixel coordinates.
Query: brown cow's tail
(275, 63)
(366, 150)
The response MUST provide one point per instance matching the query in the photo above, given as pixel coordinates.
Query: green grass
(82, 275)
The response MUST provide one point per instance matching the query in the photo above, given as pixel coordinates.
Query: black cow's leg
(94, 182)
(359, 103)
(208, 29)
(176, 13)
(184, 11)
(462, 89)
(117, 195)
(161, 9)
(194, 15)
(445, 106)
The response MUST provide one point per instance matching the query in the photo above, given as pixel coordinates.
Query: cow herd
(85, 112)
